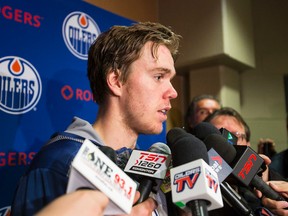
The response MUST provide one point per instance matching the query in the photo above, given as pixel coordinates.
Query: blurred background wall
(237, 50)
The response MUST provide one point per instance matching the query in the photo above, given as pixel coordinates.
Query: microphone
(203, 129)
(230, 137)
(91, 168)
(221, 146)
(150, 167)
(174, 135)
(214, 140)
(232, 198)
(246, 165)
(109, 152)
(194, 184)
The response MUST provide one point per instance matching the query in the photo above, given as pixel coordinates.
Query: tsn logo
(152, 157)
(151, 160)
(248, 166)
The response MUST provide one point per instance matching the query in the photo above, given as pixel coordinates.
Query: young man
(200, 107)
(130, 71)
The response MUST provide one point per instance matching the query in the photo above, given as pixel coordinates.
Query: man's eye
(203, 112)
(158, 77)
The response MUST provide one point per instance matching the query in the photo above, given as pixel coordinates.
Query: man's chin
(154, 131)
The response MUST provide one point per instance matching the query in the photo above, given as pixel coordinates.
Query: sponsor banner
(43, 82)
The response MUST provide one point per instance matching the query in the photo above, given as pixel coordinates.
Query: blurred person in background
(200, 107)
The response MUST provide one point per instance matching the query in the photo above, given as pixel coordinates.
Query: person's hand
(80, 202)
(144, 208)
(277, 207)
(267, 161)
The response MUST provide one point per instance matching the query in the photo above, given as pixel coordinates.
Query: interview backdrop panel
(43, 81)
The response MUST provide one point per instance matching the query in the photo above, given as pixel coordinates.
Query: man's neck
(114, 132)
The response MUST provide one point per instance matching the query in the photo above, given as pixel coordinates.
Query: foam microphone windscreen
(160, 148)
(187, 149)
(109, 152)
(174, 135)
(203, 129)
(221, 146)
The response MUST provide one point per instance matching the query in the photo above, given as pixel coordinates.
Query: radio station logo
(79, 31)
(20, 85)
(148, 163)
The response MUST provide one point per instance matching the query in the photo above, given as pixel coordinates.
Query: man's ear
(113, 82)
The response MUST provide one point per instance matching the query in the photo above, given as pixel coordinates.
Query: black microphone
(231, 197)
(246, 165)
(214, 139)
(194, 183)
(203, 129)
(150, 168)
(109, 152)
(221, 146)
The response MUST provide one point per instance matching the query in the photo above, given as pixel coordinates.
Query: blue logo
(20, 85)
(79, 31)
(5, 211)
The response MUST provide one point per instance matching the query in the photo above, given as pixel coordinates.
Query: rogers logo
(20, 85)
(68, 93)
(16, 158)
(20, 16)
(79, 31)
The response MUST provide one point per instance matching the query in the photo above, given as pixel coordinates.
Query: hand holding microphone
(215, 142)
(277, 207)
(246, 165)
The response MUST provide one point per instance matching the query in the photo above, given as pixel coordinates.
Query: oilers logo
(188, 177)
(79, 31)
(20, 85)
(5, 211)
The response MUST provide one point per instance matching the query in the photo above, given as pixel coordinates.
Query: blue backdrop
(43, 84)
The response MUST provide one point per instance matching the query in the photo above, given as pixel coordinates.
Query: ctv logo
(217, 163)
(79, 30)
(188, 178)
(20, 85)
(247, 166)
